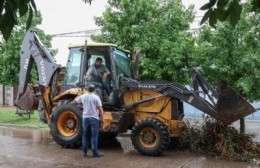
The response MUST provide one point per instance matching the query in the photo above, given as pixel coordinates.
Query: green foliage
(10, 54)
(233, 54)
(158, 28)
(11, 10)
(222, 10)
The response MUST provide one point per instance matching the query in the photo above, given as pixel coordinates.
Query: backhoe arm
(33, 50)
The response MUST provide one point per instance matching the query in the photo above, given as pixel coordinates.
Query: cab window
(122, 64)
(73, 67)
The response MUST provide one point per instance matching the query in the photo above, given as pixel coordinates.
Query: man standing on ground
(92, 112)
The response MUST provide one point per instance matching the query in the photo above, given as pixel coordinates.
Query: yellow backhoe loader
(152, 110)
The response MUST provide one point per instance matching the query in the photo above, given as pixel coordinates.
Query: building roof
(93, 45)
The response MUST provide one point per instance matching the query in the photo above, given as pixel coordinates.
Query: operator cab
(115, 60)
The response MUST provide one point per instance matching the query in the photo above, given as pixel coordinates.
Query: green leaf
(206, 16)
(208, 5)
(237, 7)
(29, 20)
(213, 19)
(12, 4)
(222, 3)
(23, 8)
(1, 21)
(1, 6)
(8, 21)
(7, 31)
(18, 2)
(235, 13)
(255, 5)
(234, 18)
(222, 14)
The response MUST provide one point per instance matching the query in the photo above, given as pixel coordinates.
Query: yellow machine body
(160, 108)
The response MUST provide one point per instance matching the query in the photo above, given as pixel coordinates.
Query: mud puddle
(30, 148)
(42, 136)
(34, 134)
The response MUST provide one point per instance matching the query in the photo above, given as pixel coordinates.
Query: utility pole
(242, 125)
(3, 94)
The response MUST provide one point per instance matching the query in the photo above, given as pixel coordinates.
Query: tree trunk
(242, 125)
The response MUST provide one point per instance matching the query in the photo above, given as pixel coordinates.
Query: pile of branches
(215, 139)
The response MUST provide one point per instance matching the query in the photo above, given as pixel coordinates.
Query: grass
(9, 116)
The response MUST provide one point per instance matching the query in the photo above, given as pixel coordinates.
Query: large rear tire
(66, 126)
(150, 137)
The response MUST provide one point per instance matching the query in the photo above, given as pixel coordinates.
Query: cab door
(121, 68)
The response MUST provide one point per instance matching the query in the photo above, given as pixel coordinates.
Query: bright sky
(64, 16)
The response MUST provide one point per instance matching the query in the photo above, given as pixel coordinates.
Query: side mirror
(136, 59)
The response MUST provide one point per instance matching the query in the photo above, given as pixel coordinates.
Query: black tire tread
(67, 142)
(162, 131)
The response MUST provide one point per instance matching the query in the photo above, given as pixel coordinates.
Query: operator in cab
(97, 74)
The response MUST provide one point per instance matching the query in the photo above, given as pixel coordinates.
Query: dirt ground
(24, 147)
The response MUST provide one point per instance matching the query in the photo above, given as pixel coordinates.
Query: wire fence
(13, 109)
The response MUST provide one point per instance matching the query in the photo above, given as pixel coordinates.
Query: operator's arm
(89, 71)
(107, 72)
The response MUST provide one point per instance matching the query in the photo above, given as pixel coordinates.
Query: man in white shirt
(92, 112)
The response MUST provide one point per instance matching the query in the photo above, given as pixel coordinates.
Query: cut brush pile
(216, 139)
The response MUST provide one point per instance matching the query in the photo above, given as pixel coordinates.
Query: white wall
(8, 97)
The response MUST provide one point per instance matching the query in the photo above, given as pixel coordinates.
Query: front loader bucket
(231, 106)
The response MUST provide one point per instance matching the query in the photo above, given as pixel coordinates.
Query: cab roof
(93, 45)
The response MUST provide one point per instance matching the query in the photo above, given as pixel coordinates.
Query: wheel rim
(148, 137)
(67, 123)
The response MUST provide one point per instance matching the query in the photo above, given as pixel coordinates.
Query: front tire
(150, 137)
(66, 126)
